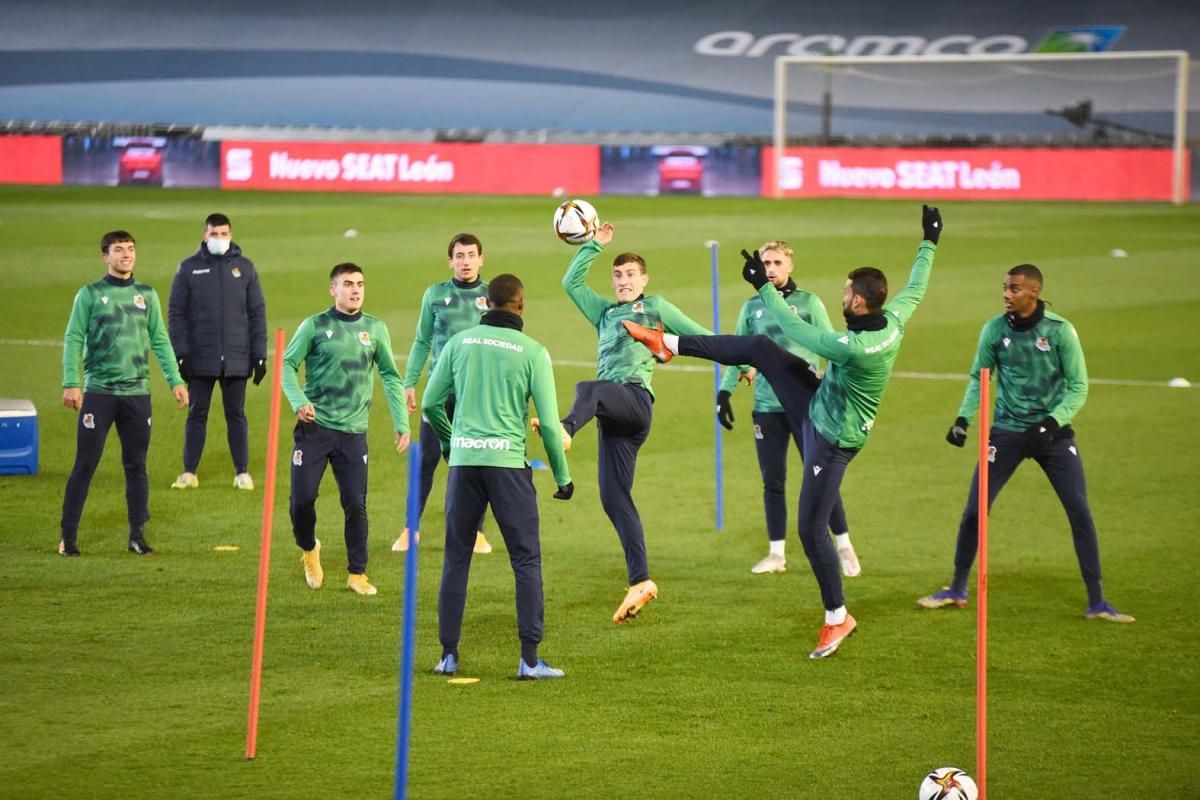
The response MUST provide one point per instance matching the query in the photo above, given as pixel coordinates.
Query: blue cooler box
(18, 438)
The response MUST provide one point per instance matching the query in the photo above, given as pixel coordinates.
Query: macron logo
(466, 443)
(816, 469)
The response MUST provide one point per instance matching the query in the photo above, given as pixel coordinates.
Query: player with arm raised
(1041, 384)
(621, 399)
(447, 308)
(773, 427)
(341, 349)
(842, 411)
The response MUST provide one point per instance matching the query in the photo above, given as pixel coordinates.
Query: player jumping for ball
(843, 409)
(621, 399)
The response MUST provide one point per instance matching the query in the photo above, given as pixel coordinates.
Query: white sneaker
(850, 566)
(772, 563)
(243, 481)
(187, 480)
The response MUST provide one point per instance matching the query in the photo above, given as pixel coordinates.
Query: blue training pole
(718, 449)
(404, 718)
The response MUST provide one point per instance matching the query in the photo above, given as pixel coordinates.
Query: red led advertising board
(984, 173)
(31, 159)
(403, 167)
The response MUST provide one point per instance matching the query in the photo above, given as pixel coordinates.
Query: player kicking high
(1041, 384)
(621, 399)
(842, 411)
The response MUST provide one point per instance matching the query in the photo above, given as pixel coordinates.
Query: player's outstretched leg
(597, 399)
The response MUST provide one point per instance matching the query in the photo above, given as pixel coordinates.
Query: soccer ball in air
(576, 221)
(948, 783)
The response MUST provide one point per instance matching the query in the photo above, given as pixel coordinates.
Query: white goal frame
(1179, 191)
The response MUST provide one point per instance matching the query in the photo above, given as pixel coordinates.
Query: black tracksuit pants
(131, 414)
(773, 430)
(347, 454)
(1061, 462)
(431, 454)
(824, 462)
(510, 491)
(233, 398)
(623, 414)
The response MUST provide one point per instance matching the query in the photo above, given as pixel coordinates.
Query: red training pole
(264, 555)
(985, 406)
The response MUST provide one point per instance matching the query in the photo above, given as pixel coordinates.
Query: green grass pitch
(128, 678)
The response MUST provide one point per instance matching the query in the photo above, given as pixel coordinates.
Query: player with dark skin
(1041, 384)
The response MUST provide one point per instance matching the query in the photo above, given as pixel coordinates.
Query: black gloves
(565, 492)
(185, 369)
(755, 271)
(724, 410)
(1038, 437)
(931, 221)
(260, 370)
(958, 432)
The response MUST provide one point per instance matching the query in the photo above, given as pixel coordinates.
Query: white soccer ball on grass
(948, 783)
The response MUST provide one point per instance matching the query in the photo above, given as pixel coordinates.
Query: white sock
(777, 547)
(672, 342)
(836, 617)
(842, 540)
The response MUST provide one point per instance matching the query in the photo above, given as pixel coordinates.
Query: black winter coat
(216, 315)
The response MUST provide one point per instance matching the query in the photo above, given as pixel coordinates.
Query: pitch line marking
(923, 376)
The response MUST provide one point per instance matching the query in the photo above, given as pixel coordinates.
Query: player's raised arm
(575, 280)
(907, 299)
(827, 344)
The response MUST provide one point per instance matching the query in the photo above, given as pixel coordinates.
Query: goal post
(1135, 98)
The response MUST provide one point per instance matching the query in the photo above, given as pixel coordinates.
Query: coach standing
(218, 323)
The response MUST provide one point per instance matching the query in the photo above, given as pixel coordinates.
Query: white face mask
(218, 247)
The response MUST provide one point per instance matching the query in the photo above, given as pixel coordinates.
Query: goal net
(1103, 126)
